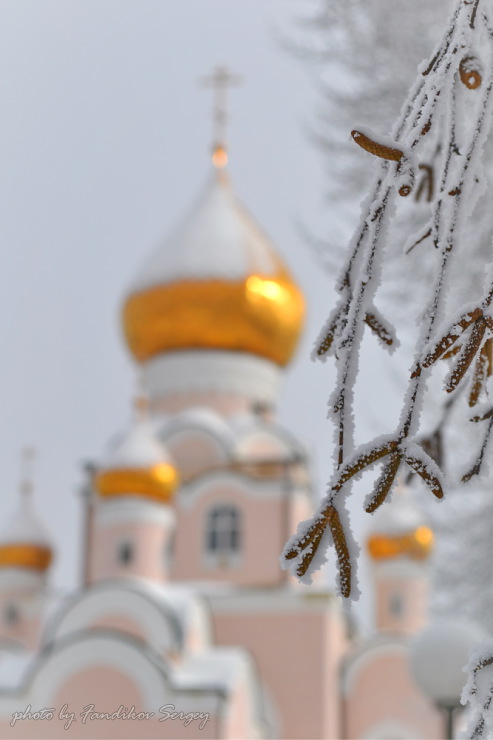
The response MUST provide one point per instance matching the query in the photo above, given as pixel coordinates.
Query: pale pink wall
(104, 687)
(301, 508)
(384, 690)
(237, 723)
(26, 629)
(297, 653)
(336, 644)
(226, 404)
(149, 541)
(33, 630)
(413, 593)
(265, 530)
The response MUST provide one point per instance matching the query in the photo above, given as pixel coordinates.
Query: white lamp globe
(438, 656)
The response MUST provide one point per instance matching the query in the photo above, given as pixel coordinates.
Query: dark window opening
(125, 553)
(12, 614)
(223, 532)
(396, 604)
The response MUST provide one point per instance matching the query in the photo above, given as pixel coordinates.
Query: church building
(184, 625)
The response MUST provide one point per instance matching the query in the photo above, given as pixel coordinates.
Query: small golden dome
(25, 542)
(157, 482)
(139, 466)
(217, 284)
(416, 545)
(25, 555)
(399, 530)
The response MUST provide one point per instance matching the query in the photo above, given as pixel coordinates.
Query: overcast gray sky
(104, 144)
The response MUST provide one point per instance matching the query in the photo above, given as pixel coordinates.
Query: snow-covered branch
(452, 98)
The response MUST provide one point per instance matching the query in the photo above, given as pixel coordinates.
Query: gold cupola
(25, 543)
(216, 284)
(399, 530)
(138, 466)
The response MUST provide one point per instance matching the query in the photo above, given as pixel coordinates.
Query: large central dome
(216, 284)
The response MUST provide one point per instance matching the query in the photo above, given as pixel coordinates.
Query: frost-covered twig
(478, 691)
(433, 98)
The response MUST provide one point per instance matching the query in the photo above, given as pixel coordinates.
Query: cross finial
(220, 80)
(28, 455)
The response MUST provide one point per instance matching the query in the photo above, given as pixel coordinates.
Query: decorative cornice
(123, 509)
(211, 371)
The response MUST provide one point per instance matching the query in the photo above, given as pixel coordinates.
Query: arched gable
(258, 440)
(199, 440)
(77, 653)
(363, 658)
(109, 670)
(124, 608)
(374, 680)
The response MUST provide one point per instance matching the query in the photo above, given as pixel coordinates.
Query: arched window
(396, 604)
(125, 553)
(223, 530)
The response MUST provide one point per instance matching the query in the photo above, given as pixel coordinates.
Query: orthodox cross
(220, 80)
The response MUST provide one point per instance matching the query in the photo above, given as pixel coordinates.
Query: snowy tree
(365, 54)
(451, 101)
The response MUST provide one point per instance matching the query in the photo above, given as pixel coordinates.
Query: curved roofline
(218, 182)
(159, 662)
(273, 428)
(366, 650)
(191, 420)
(116, 584)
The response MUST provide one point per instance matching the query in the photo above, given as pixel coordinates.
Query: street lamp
(437, 657)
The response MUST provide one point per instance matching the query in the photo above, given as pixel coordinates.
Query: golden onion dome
(218, 284)
(416, 545)
(138, 466)
(25, 542)
(399, 530)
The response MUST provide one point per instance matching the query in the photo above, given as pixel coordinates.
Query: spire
(220, 80)
(24, 542)
(28, 456)
(141, 401)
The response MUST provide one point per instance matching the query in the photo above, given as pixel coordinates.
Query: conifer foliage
(452, 101)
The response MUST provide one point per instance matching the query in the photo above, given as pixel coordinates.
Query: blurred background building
(182, 606)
